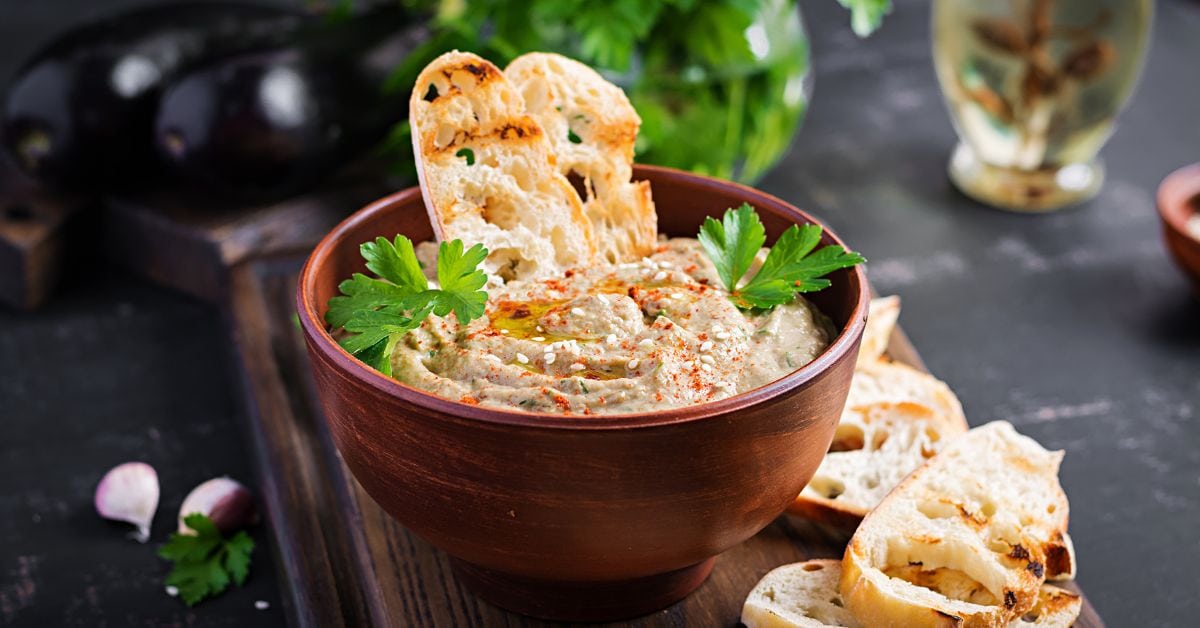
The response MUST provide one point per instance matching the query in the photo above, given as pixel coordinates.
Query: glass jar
(1033, 88)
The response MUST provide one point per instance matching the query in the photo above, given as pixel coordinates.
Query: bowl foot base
(1035, 191)
(582, 601)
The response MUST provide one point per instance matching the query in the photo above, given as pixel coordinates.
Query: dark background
(1075, 327)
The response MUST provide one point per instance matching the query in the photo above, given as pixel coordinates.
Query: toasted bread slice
(805, 595)
(963, 540)
(882, 314)
(592, 129)
(489, 174)
(800, 595)
(896, 383)
(873, 449)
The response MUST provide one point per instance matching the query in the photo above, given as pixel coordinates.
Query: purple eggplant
(81, 112)
(272, 122)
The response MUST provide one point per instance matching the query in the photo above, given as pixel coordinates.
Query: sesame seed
(538, 339)
(504, 331)
(522, 358)
(601, 298)
(172, 591)
(262, 605)
(717, 329)
(632, 364)
(687, 364)
(577, 367)
(706, 368)
(539, 328)
(611, 339)
(664, 264)
(724, 335)
(549, 358)
(646, 342)
(577, 311)
(677, 295)
(707, 359)
(660, 275)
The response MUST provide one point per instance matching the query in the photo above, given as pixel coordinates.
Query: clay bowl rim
(351, 368)
(1175, 194)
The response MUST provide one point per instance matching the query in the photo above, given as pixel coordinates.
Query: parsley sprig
(379, 311)
(206, 562)
(791, 266)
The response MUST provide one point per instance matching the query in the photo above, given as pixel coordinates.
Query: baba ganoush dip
(651, 335)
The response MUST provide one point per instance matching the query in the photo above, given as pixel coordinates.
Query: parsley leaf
(732, 243)
(460, 280)
(206, 562)
(378, 311)
(791, 266)
(396, 262)
(866, 15)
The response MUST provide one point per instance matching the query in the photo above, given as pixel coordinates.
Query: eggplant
(269, 123)
(80, 114)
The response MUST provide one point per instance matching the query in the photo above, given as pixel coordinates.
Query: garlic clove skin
(224, 500)
(129, 492)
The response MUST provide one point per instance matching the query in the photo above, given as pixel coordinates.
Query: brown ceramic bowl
(1178, 200)
(582, 518)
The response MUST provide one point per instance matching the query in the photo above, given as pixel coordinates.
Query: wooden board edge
(319, 557)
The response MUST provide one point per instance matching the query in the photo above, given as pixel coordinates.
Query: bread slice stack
(895, 419)
(806, 595)
(493, 152)
(968, 539)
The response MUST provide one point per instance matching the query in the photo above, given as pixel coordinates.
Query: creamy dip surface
(656, 334)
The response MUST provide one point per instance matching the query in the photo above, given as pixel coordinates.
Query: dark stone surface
(1075, 327)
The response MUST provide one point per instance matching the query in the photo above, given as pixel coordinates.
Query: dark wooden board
(34, 224)
(348, 563)
(188, 243)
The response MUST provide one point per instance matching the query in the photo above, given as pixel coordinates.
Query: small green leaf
(206, 562)
(571, 137)
(732, 243)
(468, 154)
(396, 262)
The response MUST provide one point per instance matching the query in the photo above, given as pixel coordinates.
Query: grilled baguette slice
(489, 173)
(799, 595)
(873, 449)
(962, 541)
(895, 419)
(592, 129)
(896, 383)
(805, 595)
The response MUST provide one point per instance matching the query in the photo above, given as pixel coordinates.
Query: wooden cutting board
(348, 564)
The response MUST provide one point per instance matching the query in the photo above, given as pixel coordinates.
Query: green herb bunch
(719, 84)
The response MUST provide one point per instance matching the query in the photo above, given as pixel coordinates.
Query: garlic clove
(224, 500)
(129, 492)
